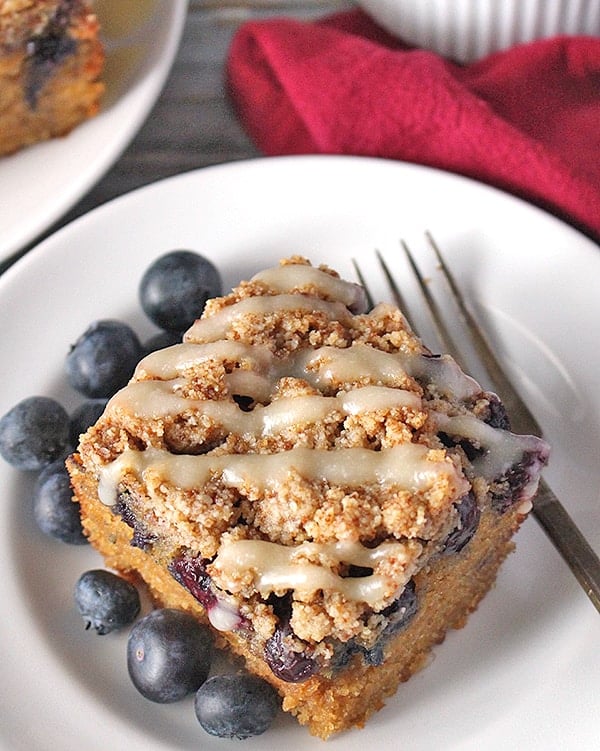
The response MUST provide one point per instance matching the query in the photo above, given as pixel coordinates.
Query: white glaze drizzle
(259, 370)
(223, 616)
(407, 466)
(328, 365)
(215, 327)
(277, 568)
(152, 400)
(301, 276)
(171, 362)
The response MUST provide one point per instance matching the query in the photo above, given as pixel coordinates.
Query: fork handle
(569, 541)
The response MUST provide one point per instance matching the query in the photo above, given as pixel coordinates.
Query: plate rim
(257, 162)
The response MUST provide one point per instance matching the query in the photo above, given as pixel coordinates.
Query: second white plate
(41, 183)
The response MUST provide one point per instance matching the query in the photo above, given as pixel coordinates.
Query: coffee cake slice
(313, 482)
(51, 61)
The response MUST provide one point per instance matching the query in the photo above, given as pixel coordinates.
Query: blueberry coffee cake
(308, 478)
(51, 60)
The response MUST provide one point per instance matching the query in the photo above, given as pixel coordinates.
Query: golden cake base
(448, 591)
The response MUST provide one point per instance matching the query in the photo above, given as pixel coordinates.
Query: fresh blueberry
(54, 510)
(161, 340)
(175, 288)
(236, 706)
(103, 359)
(168, 655)
(83, 417)
(34, 433)
(468, 514)
(106, 601)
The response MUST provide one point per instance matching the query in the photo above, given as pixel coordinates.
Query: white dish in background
(524, 672)
(465, 30)
(41, 183)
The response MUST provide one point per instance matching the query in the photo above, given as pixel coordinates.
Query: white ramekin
(466, 30)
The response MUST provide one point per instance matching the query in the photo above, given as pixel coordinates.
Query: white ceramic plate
(524, 672)
(41, 183)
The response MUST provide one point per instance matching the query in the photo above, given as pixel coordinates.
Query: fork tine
(396, 294)
(483, 348)
(363, 284)
(436, 315)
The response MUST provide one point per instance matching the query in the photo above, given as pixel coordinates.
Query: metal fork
(547, 509)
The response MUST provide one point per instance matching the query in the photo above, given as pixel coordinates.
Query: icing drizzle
(281, 568)
(408, 466)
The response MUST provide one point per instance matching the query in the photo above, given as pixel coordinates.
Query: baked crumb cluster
(298, 460)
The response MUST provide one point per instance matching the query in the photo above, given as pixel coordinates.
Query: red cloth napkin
(526, 120)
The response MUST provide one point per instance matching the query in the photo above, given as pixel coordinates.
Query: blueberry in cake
(51, 60)
(313, 482)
